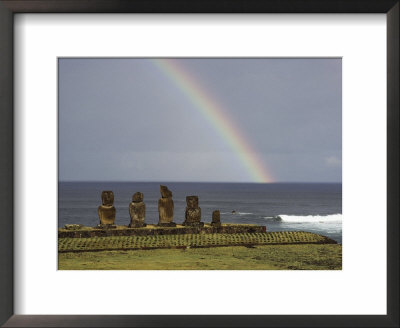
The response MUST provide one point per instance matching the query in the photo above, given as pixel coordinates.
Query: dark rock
(106, 226)
(192, 212)
(165, 208)
(134, 224)
(192, 202)
(106, 211)
(167, 224)
(165, 192)
(137, 197)
(107, 198)
(137, 211)
(73, 226)
(193, 224)
(150, 230)
(192, 215)
(216, 218)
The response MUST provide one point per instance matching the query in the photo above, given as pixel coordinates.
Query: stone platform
(78, 231)
(184, 241)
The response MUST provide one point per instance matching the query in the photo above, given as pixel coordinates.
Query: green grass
(187, 241)
(265, 257)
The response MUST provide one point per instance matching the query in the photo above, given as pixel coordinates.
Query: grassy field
(265, 257)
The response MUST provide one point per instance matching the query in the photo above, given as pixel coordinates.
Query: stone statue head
(192, 201)
(137, 197)
(216, 216)
(165, 192)
(107, 198)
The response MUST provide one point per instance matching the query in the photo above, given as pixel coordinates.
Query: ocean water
(313, 207)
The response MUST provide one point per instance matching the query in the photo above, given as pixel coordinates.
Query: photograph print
(199, 163)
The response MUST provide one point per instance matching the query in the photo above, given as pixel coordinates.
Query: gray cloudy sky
(126, 120)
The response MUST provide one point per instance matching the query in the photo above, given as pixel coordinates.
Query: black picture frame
(10, 7)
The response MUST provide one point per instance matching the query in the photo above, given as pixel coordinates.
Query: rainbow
(214, 113)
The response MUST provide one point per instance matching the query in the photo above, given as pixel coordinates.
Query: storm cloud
(126, 120)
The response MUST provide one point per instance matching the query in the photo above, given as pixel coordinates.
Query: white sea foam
(309, 218)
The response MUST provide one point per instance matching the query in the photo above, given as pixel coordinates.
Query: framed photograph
(155, 153)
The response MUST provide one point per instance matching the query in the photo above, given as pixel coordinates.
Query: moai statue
(166, 208)
(137, 211)
(106, 211)
(193, 212)
(216, 219)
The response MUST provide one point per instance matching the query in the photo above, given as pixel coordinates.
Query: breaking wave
(306, 218)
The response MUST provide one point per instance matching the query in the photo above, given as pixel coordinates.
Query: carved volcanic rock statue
(107, 211)
(166, 208)
(216, 219)
(137, 211)
(193, 212)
